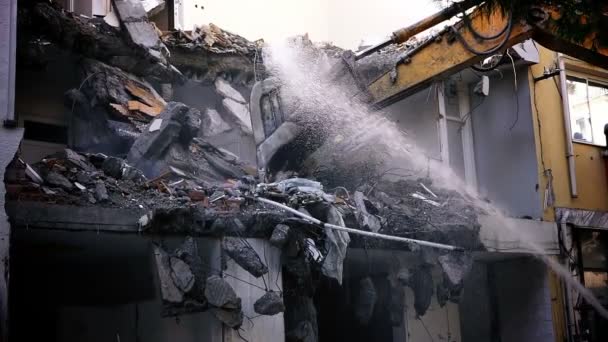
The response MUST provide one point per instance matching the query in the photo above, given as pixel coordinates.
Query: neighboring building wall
(590, 168)
(507, 301)
(504, 138)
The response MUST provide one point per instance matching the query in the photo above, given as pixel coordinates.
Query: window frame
(594, 80)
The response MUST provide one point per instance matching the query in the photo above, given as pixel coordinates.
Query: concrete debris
(142, 32)
(270, 304)
(364, 218)
(279, 236)
(155, 125)
(180, 123)
(153, 7)
(244, 255)
(225, 90)
(80, 186)
(56, 179)
(455, 267)
(101, 193)
(213, 124)
(78, 160)
(365, 301)
(423, 198)
(422, 285)
(232, 318)
(240, 114)
(112, 167)
(169, 291)
(182, 275)
(220, 294)
(336, 244)
(33, 175)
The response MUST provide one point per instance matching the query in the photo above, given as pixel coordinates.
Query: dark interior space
(342, 315)
(50, 270)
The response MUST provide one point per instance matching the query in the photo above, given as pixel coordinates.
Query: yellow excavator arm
(478, 35)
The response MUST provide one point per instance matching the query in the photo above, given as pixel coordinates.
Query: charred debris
(133, 146)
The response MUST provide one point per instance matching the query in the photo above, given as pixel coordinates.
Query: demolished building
(139, 216)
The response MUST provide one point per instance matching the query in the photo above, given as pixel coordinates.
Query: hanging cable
(469, 24)
(488, 52)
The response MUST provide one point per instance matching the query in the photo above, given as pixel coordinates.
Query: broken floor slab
(94, 38)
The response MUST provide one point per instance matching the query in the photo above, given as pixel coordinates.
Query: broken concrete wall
(39, 99)
(218, 126)
(261, 328)
(104, 289)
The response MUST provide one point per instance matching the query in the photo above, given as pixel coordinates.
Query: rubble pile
(140, 150)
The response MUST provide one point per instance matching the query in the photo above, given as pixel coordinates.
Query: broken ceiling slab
(95, 38)
(153, 7)
(142, 32)
(213, 124)
(226, 90)
(240, 114)
(123, 95)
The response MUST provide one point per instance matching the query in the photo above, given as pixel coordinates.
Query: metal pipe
(568, 129)
(403, 34)
(9, 108)
(359, 232)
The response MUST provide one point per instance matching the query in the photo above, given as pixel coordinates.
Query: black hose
(467, 21)
(490, 51)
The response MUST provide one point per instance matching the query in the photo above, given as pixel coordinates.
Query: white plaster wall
(257, 328)
(440, 322)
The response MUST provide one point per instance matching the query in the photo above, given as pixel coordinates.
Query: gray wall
(523, 301)
(417, 116)
(505, 156)
(474, 306)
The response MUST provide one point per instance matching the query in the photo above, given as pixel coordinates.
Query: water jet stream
(317, 100)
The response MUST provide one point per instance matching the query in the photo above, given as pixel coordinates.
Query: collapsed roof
(132, 147)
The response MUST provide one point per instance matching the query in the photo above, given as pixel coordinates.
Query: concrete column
(9, 140)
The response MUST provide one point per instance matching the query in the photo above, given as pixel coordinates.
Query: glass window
(588, 110)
